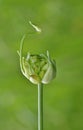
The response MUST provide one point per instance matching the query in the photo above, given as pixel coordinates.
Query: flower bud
(37, 68)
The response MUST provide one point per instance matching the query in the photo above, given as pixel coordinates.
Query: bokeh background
(61, 22)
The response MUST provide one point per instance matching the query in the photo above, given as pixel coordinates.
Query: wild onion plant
(39, 69)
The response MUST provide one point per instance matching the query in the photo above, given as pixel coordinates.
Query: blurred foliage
(62, 34)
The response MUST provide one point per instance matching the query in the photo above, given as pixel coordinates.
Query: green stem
(40, 106)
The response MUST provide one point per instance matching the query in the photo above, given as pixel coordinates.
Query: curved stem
(20, 52)
(40, 106)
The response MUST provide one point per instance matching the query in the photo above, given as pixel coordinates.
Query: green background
(61, 22)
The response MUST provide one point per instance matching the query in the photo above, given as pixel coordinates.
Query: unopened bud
(37, 68)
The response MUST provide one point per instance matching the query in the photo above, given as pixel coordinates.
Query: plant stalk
(40, 106)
